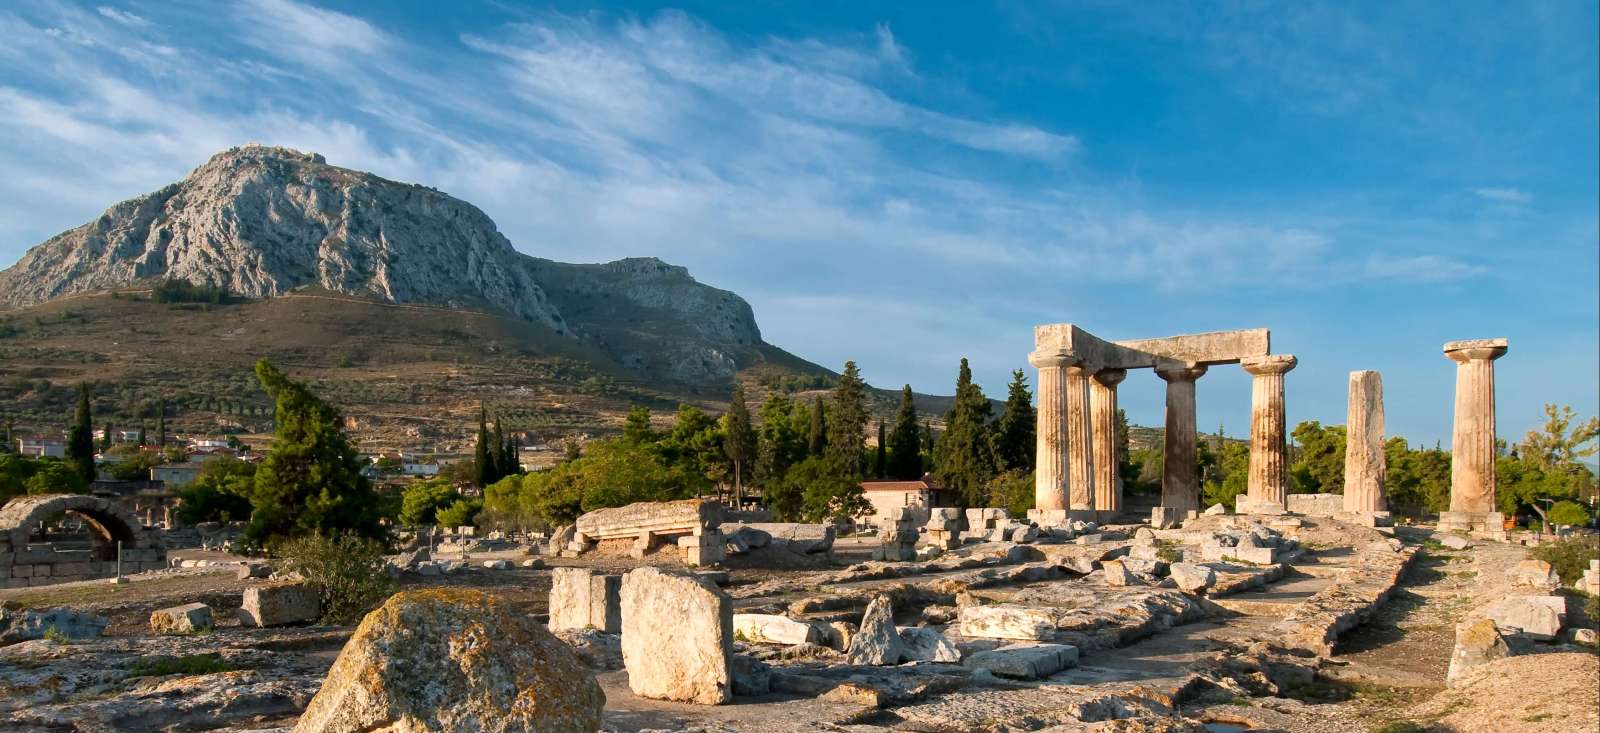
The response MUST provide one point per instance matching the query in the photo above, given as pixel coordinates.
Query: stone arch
(108, 520)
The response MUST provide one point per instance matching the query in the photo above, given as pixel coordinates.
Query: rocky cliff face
(264, 221)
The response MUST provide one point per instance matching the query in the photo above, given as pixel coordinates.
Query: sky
(908, 184)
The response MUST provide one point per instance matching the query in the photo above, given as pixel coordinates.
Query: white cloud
(122, 16)
(1504, 195)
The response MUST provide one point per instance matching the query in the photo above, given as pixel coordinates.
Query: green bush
(1569, 556)
(347, 571)
(1569, 513)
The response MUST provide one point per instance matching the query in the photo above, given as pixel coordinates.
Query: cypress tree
(80, 439)
(1013, 442)
(880, 461)
(818, 442)
(965, 456)
(483, 460)
(105, 440)
(141, 435)
(161, 423)
(847, 431)
(497, 449)
(905, 460)
(738, 440)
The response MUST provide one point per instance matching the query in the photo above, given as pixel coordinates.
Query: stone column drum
(1472, 448)
(1180, 478)
(1364, 459)
(1080, 454)
(1050, 434)
(1103, 405)
(1268, 487)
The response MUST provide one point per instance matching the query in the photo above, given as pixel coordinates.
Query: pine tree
(311, 480)
(80, 440)
(738, 440)
(965, 456)
(847, 430)
(905, 456)
(105, 440)
(482, 459)
(1013, 438)
(818, 442)
(880, 463)
(636, 428)
(781, 443)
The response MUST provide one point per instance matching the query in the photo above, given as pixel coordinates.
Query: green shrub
(1569, 513)
(191, 664)
(347, 571)
(1569, 556)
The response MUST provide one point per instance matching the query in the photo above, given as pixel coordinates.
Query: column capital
(1110, 377)
(1047, 359)
(1180, 372)
(1269, 364)
(1475, 349)
(1080, 369)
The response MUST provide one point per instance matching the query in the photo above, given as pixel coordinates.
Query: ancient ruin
(1472, 445)
(116, 541)
(1364, 459)
(691, 525)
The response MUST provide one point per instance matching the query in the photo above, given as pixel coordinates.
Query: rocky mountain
(266, 221)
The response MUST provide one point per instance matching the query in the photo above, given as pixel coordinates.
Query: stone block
(1252, 555)
(1455, 542)
(279, 605)
(767, 628)
(677, 633)
(1006, 622)
(702, 550)
(1165, 517)
(1537, 617)
(1025, 661)
(1478, 642)
(19, 624)
(1116, 575)
(1316, 505)
(581, 599)
(1535, 574)
(877, 641)
(922, 644)
(1192, 578)
(185, 619)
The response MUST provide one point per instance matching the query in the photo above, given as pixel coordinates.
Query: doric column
(1103, 405)
(1268, 487)
(1180, 477)
(1472, 449)
(1080, 454)
(1364, 459)
(1050, 433)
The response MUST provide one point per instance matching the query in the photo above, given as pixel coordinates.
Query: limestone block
(1116, 574)
(1253, 555)
(1478, 642)
(801, 539)
(1588, 637)
(1535, 574)
(766, 628)
(17, 624)
(1165, 517)
(1455, 542)
(922, 644)
(498, 564)
(1192, 578)
(185, 619)
(1217, 510)
(1006, 622)
(1316, 505)
(1025, 661)
(877, 641)
(581, 598)
(677, 632)
(279, 605)
(1145, 566)
(450, 659)
(1537, 617)
(854, 693)
(702, 550)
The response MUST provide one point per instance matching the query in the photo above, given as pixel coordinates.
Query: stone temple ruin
(109, 528)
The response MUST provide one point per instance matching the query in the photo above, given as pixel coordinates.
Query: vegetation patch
(188, 665)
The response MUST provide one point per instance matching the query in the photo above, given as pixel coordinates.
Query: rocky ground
(1243, 654)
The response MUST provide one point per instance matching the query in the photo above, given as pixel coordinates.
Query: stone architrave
(1472, 447)
(1268, 485)
(677, 636)
(1080, 453)
(1180, 478)
(1364, 459)
(1050, 440)
(1103, 405)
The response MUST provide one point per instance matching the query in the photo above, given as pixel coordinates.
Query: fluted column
(1364, 459)
(1268, 487)
(1472, 448)
(1103, 405)
(1050, 433)
(1080, 454)
(1180, 477)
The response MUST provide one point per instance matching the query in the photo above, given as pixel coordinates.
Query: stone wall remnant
(677, 635)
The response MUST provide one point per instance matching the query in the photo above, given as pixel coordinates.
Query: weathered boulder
(279, 604)
(1216, 510)
(1006, 622)
(18, 624)
(1025, 661)
(498, 564)
(855, 693)
(185, 619)
(1116, 574)
(1535, 574)
(771, 628)
(248, 570)
(1455, 542)
(1192, 578)
(1537, 617)
(1478, 642)
(677, 632)
(922, 644)
(453, 660)
(877, 641)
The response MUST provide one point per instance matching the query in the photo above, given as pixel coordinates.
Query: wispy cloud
(122, 16)
(1504, 195)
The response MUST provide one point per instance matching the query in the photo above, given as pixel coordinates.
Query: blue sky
(905, 185)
